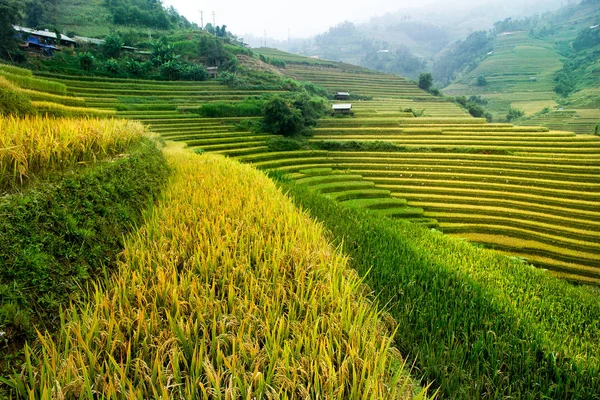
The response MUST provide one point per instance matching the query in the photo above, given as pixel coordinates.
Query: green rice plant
(16, 70)
(477, 323)
(226, 291)
(61, 110)
(12, 101)
(28, 82)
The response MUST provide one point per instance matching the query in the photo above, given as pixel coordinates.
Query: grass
(35, 145)
(478, 324)
(226, 291)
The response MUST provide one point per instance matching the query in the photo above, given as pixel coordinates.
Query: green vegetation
(246, 108)
(462, 57)
(540, 62)
(477, 323)
(514, 114)
(292, 116)
(10, 14)
(12, 101)
(62, 232)
(425, 81)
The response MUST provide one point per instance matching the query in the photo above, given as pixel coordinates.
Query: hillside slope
(522, 71)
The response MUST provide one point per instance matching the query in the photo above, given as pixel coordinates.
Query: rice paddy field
(237, 293)
(518, 58)
(529, 191)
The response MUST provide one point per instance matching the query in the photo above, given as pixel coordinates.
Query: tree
(514, 114)
(9, 16)
(112, 46)
(281, 118)
(209, 28)
(425, 81)
(481, 81)
(217, 30)
(86, 60)
(35, 14)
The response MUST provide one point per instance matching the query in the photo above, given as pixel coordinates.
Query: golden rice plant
(35, 144)
(227, 291)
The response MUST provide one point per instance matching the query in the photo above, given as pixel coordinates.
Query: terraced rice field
(526, 190)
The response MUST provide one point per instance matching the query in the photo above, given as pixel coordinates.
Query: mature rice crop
(227, 291)
(36, 144)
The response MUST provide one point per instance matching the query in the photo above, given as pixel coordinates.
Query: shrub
(247, 108)
(134, 67)
(86, 61)
(194, 72)
(415, 113)
(284, 144)
(514, 114)
(13, 102)
(478, 99)
(112, 66)
(171, 70)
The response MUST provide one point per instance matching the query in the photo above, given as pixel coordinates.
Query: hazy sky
(302, 17)
(305, 18)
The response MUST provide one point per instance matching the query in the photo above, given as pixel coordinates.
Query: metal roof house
(342, 96)
(45, 35)
(342, 108)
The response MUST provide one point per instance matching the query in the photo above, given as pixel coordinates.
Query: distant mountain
(409, 40)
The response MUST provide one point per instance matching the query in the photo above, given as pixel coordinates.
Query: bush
(13, 102)
(478, 100)
(292, 115)
(112, 66)
(247, 108)
(425, 81)
(194, 72)
(86, 61)
(281, 117)
(415, 113)
(514, 114)
(171, 70)
(134, 67)
(284, 144)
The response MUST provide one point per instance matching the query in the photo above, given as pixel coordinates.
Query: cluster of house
(47, 42)
(342, 108)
